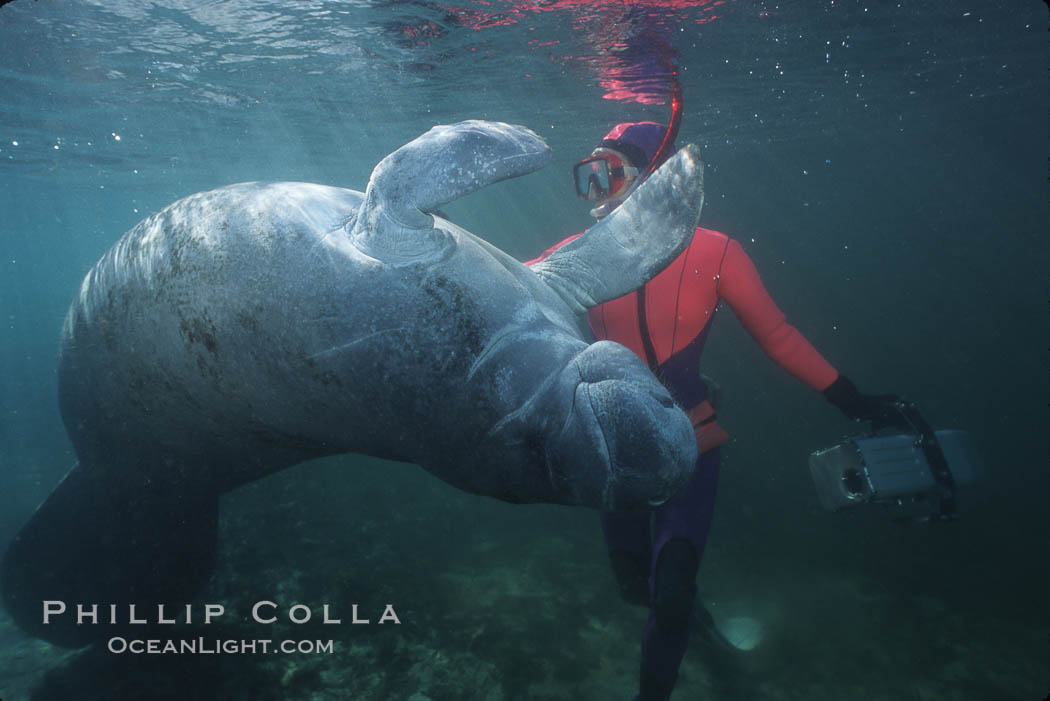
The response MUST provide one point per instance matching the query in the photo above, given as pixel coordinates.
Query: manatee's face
(622, 443)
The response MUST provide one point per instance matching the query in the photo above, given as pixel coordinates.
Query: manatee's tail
(94, 543)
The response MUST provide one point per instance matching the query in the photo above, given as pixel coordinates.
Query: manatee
(243, 330)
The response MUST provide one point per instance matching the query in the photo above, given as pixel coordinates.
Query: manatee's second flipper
(96, 542)
(442, 165)
(636, 241)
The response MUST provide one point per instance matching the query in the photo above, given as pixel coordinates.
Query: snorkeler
(655, 556)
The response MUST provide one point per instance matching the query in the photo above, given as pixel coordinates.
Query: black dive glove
(882, 410)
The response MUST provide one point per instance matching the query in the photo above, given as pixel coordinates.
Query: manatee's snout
(624, 444)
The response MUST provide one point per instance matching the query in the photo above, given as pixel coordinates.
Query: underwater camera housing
(915, 472)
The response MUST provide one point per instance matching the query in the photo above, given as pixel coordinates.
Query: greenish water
(885, 167)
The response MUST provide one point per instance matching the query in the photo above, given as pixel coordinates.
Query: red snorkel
(664, 152)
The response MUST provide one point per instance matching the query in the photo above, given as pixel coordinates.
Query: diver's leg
(680, 530)
(630, 552)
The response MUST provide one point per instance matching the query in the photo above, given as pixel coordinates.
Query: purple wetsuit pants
(642, 536)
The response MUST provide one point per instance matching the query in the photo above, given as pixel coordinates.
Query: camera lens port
(854, 483)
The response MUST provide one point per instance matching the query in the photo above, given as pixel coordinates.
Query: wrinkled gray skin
(246, 329)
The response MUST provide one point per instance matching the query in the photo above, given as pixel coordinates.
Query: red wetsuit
(666, 322)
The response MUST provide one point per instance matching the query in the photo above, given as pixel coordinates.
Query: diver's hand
(882, 410)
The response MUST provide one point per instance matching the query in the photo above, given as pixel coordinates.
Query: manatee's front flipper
(94, 542)
(640, 238)
(446, 163)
